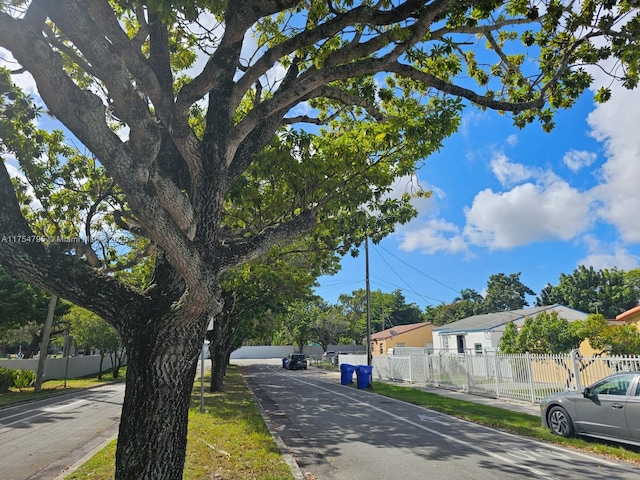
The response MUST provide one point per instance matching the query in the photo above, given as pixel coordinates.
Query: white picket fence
(519, 377)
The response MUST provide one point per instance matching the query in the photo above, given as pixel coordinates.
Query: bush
(24, 378)
(7, 379)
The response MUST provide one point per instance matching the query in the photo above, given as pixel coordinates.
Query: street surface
(337, 432)
(40, 439)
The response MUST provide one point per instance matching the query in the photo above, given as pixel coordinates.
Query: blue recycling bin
(284, 362)
(365, 376)
(346, 373)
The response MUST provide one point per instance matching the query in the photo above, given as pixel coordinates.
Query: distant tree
(23, 309)
(632, 278)
(547, 334)
(509, 340)
(468, 304)
(298, 322)
(506, 292)
(593, 291)
(91, 332)
(258, 290)
(387, 310)
(329, 327)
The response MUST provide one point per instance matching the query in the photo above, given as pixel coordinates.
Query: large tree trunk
(218, 370)
(160, 374)
(217, 352)
(222, 338)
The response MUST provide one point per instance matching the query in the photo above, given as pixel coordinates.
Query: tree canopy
(608, 291)
(216, 130)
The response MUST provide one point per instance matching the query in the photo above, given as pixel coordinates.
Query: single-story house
(480, 333)
(412, 335)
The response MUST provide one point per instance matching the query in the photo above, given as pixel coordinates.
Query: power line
(410, 288)
(419, 271)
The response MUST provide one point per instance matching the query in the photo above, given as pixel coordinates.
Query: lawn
(229, 440)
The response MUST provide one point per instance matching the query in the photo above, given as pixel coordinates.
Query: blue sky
(507, 200)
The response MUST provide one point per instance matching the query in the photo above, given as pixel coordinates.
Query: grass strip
(50, 387)
(229, 440)
(505, 420)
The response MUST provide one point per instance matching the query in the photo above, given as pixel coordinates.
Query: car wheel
(560, 422)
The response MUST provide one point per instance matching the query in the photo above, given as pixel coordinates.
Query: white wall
(54, 368)
(281, 351)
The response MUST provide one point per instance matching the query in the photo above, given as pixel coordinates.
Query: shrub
(24, 378)
(6, 379)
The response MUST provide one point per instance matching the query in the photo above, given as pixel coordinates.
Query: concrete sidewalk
(522, 407)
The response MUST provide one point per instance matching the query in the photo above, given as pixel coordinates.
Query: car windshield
(613, 386)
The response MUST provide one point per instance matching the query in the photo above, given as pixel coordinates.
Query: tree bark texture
(160, 373)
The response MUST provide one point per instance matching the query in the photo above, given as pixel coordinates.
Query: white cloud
(512, 140)
(616, 256)
(577, 159)
(525, 214)
(616, 123)
(509, 173)
(433, 236)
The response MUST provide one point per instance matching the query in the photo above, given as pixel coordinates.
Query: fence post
(410, 369)
(469, 360)
(427, 360)
(497, 375)
(530, 373)
(576, 368)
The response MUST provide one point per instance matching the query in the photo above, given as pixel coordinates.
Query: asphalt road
(338, 432)
(41, 439)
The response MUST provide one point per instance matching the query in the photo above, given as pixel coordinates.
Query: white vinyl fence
(523, 377)
(58, 368)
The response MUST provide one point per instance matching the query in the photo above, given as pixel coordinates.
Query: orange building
(630, 317)
(412, 335)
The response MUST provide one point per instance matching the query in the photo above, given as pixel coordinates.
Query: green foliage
(297, 322)
(509, 340)
(202, 187)
(16, 301)
(544, 334)
(610, 339)
(90, 331)
(468, 304)
(24, 378)
(7, 379)
(607, 291)
(506, 293)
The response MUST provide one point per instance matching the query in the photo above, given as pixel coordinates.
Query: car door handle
(617, 406)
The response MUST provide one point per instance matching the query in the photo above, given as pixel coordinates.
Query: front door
(460, 343)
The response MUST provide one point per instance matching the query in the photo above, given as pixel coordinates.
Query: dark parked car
(296, 361)
(609, 409)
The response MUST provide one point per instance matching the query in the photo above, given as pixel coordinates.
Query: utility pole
(366, 257)
(44, 344)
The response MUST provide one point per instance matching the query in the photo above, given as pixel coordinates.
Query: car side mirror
(586, 392)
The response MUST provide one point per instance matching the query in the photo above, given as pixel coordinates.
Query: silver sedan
(609, 409)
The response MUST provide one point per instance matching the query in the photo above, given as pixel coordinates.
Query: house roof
(624, 316)
(397, 330)
(492, 321)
